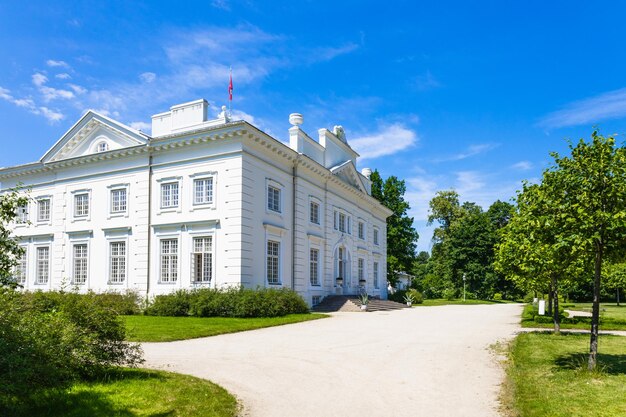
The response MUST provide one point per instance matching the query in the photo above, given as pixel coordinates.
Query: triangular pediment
(94, 133)
(347, 173)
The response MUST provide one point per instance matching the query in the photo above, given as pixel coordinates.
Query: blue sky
(465, 95)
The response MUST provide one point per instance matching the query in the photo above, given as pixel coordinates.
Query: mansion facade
(199, 203)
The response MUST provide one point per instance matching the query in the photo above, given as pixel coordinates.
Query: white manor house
(200, 203)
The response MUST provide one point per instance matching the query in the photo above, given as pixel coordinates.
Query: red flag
(230, 87)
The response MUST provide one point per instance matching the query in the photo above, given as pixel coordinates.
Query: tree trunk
(618, 297)
(555, 299)
(595, 314)
(549, 312)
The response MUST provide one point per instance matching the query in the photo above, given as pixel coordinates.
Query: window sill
(167, 282)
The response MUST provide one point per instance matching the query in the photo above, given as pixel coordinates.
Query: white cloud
(387, 140)
(49, 93)
(39, 79)
(522, 165)
(471, 150)
(77, 89)
(63, 76)
(53, 63)
(51, 115)
(147, 77)
(29, 104)
(426, 82)
(143, 126)
(221, 4)
(609, 105)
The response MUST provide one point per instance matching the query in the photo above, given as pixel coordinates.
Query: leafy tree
(10, 251)
(615, 275)
(592, 199)
(401, 236)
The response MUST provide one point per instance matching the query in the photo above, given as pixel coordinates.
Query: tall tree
(593, 197)
(10, 251)
(401, 236)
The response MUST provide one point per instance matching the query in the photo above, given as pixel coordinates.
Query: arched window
(103, 147)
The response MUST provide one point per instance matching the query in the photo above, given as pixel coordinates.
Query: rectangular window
(43, 210)
(335, 220)
(315, 300)
(314, 256)
(202, 259)
(169, 195)
(375, 236)
(19, 272)
(118, 200)
(341, 263)
(315, 213)
(81, 205)
(361, 265)
(22, 214)
(169, 260)
(342, 222)
(117, 262)
(273, 198)
(203, 191)
(376, 275)
(361, 230)
(43, 264)
(273, 262)
(80, 264)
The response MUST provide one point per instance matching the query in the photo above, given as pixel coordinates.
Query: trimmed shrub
(48, 341)
(174, 304)
(417, 296)
(497, 297)
(231, 302)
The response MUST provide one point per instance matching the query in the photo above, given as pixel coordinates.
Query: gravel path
(429, 361)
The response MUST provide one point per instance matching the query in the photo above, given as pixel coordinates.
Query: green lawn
(607, 310)
(546, 376)
(612, 317)
(443, 301)
(136, 393)
(167, 329)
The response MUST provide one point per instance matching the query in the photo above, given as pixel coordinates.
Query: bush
(497, 297)
(449, 294)
(231, 302)
(48, 341)
(121, 303)
(174, 304)
(417, 296)
(397, 296)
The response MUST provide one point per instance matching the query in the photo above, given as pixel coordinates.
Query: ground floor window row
(201, 263)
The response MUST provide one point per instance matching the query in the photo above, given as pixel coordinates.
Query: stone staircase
(333, 303)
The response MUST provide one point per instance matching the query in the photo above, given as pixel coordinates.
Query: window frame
(314, 278)
(167, 183)
(22, 217)
(211, 259)
(211, 198)
(122, 271)
(22, 267)
(173, 268)
(318, 212)
(83, 259)
(48, 219)
(376, 236)
(361, 230)
(277, 256)
(376, 274)
(75, 195)
(37, 265)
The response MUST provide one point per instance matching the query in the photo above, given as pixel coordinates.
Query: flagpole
(230, 93)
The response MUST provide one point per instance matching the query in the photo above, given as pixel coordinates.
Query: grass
(443, 302)
(612, 310)
(134, 392)
(547, 376)
(612, 317)
(167, 329)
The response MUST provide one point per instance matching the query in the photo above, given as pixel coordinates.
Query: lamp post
(464, 278)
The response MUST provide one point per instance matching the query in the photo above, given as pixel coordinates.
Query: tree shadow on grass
(83, 402)
(607, 364)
